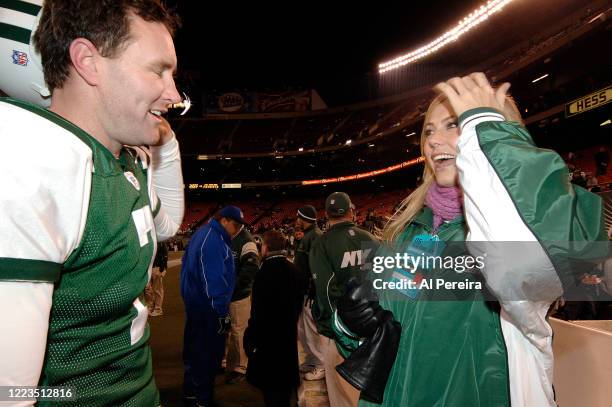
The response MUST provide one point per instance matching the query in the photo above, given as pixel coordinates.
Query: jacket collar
(424, 217)
(217, 226)
(314, 227)
(309, 228)
(343, 224)
(277, 253)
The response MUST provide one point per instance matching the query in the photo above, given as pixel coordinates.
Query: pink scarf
(445, 202)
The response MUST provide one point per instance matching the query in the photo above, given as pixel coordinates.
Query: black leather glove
(359, 309)
(225, 324)
(369, 366)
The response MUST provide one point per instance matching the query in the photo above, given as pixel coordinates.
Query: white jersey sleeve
(45, 179)
(167, 198)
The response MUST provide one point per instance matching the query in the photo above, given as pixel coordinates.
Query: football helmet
(21, 74)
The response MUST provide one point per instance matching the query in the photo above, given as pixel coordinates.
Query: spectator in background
(270, 340)
(258, 242)
(571, 161)
(602, 159)
(207, 284)
(313, 344)
(593, 184)
(370, 221)
(291, 242)
(246, 259)
(154, 292)
(339, 254)
(579, 178)
(299, 235)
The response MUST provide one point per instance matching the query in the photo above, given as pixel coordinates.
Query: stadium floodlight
(540, 78)
(466, 24)
(301, 149)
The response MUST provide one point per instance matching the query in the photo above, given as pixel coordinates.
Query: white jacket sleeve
(167, 195)
(512, 277)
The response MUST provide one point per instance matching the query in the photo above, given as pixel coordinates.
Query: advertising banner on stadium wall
(588, 102)
(253, 102)
(283, 102)
(229, 102)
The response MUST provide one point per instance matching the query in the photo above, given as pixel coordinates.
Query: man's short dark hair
(103, 22)
(275, 240)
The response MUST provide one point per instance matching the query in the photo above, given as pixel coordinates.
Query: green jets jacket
(477, 353)
(340, 253)
(303, 250)
(246, 259)
(301, 258)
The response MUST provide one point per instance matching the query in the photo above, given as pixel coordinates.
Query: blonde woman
(484, 181)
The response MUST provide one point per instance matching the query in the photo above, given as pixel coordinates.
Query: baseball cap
(308, 213)
(234, 213)
(338, 204)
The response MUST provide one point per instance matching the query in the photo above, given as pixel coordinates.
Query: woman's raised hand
(473, 91)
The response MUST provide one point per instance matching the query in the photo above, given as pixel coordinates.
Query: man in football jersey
(82, 211)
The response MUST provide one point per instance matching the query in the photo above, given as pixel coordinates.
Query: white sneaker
(315, 374)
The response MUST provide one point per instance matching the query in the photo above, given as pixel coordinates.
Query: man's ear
(85, 59)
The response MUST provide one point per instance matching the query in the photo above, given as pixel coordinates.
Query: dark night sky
(329, 46)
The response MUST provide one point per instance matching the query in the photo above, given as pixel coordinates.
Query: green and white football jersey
(97, 245)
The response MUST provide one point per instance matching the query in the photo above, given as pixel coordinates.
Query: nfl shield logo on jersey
(20, 58)
(133, 180)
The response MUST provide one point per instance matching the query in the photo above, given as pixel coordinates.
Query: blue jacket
(207, 273)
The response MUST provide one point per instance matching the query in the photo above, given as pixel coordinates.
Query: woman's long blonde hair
(414, 202)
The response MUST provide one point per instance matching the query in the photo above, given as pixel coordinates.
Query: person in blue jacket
(207, 283)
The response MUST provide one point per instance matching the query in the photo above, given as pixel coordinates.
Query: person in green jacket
(340, 253)
(312, 343)
(484, 181)
(246, 259)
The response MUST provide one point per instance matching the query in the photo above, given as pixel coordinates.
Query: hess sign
(588, 102)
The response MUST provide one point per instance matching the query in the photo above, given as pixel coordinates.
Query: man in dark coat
(270, 340)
